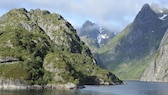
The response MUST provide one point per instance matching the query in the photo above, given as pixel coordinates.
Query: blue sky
(114, 14)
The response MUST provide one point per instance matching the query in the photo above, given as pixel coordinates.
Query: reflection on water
(131, 88)
(48, 92)
(38, 92)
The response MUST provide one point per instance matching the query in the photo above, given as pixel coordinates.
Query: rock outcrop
(7, 84)
(8, 59)
(158, 69)
(12, 84)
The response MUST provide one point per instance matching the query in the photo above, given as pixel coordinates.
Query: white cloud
(116, 13)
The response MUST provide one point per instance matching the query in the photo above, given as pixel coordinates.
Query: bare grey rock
(20, 84)
(12, 84)
(8, 59)
(158, 69)
(62, 86)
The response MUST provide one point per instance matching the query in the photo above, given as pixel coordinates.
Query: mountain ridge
(128, 54)
(93, 35)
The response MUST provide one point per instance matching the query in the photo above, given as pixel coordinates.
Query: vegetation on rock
(48, 51)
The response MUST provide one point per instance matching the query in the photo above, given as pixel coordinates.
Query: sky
(114, 14)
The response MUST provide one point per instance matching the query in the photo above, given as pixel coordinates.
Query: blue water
(130, 88)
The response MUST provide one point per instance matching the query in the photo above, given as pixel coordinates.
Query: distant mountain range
(94, 35)
(128, 53)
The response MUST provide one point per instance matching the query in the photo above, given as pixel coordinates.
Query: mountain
(130, 51)
(158, 68)
(40, 48)
(94, 35)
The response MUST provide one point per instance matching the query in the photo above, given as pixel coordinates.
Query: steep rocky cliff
(158, 68)
(129, 52)
(41, 48)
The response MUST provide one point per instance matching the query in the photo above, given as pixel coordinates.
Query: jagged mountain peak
(138, 41)
(31, 10)
(19, 10)
(145, 14)
(146, 7)
(89, 29)
(88, 23)
(43, 12)
(94, 35)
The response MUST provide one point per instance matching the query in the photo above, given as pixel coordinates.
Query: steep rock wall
(158, 69)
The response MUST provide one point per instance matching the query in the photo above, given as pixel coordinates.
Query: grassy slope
(132, 69)
(114, 42)
(30, 51)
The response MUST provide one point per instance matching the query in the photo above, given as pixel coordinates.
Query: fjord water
(130, 88)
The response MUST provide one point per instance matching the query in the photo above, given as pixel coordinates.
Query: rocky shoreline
(11, 84)
(20, 84)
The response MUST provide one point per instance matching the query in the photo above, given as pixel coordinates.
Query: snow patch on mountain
(163, 17)
(161, 11)
(101, 36)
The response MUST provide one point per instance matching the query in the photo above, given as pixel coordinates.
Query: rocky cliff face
(12, 84)
(136, 44)
(41, 48)
(158, 68)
